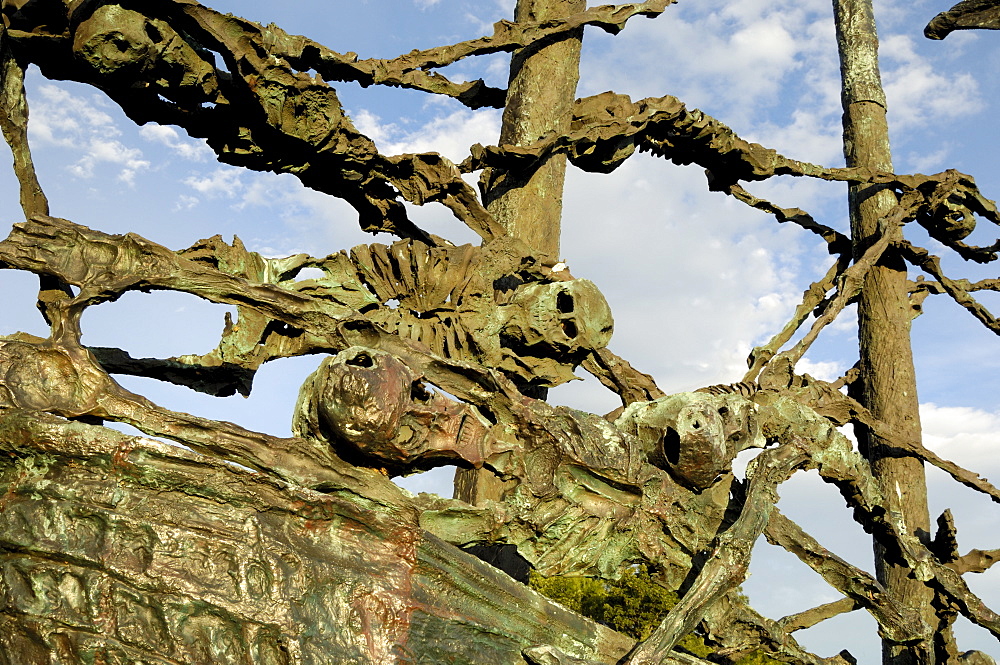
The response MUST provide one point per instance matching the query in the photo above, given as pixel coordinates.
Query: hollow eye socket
(419, 392)
(564, 302)
(153, 34)
(671, 446)
(361, 360)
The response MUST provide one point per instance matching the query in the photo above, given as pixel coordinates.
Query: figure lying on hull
(591, 496)
(586, 496)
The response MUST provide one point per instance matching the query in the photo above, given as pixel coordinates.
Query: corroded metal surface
(966, 15)
(254, 548)
(145, 552)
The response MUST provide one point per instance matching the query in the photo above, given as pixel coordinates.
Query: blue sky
(695, 279)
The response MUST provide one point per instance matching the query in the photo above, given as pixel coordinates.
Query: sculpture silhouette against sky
(254, 548)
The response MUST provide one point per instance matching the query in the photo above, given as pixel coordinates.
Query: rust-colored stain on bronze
(250, 548)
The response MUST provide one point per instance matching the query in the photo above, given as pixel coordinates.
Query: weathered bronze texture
(966, 15)
(243, 547)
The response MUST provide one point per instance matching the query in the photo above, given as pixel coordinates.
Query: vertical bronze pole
(540, 100)
(528, 203)
(889, 387)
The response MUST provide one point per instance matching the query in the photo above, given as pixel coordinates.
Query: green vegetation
(633, 605)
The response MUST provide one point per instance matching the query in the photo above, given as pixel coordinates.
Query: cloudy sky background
(695, 279)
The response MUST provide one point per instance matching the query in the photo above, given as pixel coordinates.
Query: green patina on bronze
(250, 548)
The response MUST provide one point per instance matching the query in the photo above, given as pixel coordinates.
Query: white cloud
(694, 278)
(730, 59)
(811, 136)
(436, 481)
(766, 43)
(185, 202)
(298, 219)
(193, 150)
(898, 14)
(113, 152)
(372, 126)
(825, 370)
(61, 119)
(919, 95)
(848, 319)
(483, 18)
(224, 181)
(159, 133)
(450, 134)
(927, 162)
(966, 435)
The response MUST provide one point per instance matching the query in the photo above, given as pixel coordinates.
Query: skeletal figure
(493, 305)
(592, 497)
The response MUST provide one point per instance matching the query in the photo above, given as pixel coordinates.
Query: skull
(39, 376)
(568, 316)
(368, 403)
(125, 44)
(693, 436)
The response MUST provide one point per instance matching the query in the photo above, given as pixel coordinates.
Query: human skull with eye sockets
(567, 317)
(693, 436)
